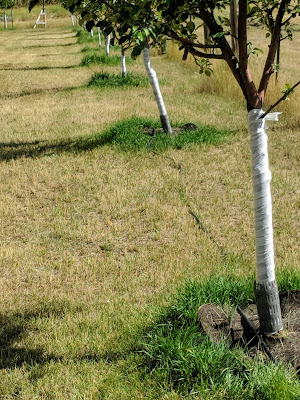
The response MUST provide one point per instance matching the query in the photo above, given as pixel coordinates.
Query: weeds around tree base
(176, 353)
(131, 135)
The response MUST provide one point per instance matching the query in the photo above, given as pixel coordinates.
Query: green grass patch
(84, 36)
(130, 135)
(94, 58)
(105, 79)
(178, 356)
(86, 49)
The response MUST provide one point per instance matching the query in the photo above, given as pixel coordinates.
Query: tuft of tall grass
(86, 49)
(105, 79)
(84, 36)
(178, 354)
(94, 58)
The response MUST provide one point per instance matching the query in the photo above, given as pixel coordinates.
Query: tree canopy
(6, 4)
(135, 22)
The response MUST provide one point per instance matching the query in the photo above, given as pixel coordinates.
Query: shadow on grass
(51, 45)
(16, 327)
(171, 350)
(42, 68)
(178, 356)
(128, 135)
(49, 38)
(37, 91)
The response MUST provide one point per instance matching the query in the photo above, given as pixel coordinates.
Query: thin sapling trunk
(156, 90)
(107, 44)
(266, 291)
(123, 60)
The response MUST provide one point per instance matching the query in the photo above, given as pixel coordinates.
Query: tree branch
(253, 101)
(198, 53)
(189, 43)
(287, 20)
(272, 51)
(286, 94)
(227, 52)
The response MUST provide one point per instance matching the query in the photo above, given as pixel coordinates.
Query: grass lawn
(102, 265)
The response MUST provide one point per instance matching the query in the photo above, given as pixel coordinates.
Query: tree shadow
(17, 326)
(49, 38)
(42, 68)
(37, 46)
(40, 148)
(39, 91)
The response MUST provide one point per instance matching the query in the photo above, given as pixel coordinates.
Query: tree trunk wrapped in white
(123, 60)
(156, 90)
(107, 44)
(267, 296)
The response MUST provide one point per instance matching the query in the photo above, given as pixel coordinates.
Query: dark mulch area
(227, 324)
(175, 130)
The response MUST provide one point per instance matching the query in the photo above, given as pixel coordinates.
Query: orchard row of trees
(139, 24)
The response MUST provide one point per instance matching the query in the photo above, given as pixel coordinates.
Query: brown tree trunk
(234, 26)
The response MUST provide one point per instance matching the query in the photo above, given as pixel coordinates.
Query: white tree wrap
(154, 82)
(123, 59)
(107, 44)
(266, 291)
(156, 90)
(99, 37)
(261, 176)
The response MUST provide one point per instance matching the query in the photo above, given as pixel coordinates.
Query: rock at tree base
(175, 131)
(215, 321)
(225, 324)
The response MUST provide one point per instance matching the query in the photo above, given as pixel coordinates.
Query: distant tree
(7, 4)
(130, 25)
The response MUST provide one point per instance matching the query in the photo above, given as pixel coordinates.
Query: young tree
(5, 5)
(131, 24)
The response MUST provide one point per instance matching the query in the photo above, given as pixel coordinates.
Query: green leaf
(136, 52)
(90, 25)
(69, 3)
(191, 26)
(217, 35)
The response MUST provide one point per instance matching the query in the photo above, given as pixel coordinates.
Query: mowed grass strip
(96, 241)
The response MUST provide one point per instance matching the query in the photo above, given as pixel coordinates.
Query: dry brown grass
(92, 243)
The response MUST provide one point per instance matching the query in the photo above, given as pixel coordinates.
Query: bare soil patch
(227, 324)
(175, 131)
